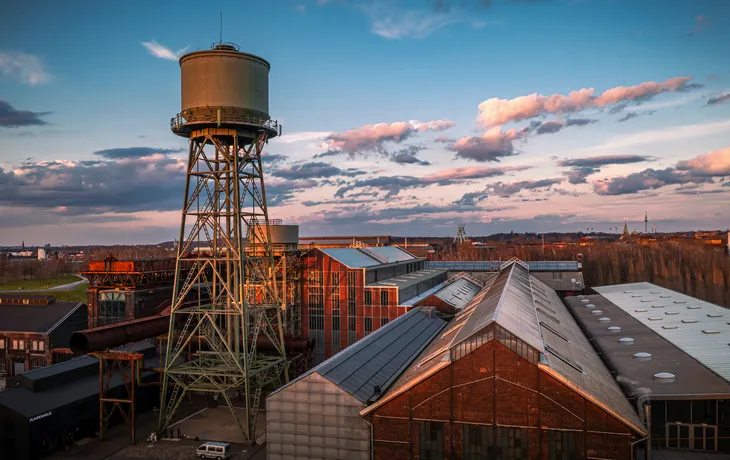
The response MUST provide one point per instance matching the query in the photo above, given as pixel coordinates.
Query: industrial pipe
(118, 334)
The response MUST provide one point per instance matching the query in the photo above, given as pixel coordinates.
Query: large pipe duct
(118, 334)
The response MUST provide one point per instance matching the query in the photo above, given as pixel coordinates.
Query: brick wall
(495, 384)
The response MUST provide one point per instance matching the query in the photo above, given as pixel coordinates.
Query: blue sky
(338, 66)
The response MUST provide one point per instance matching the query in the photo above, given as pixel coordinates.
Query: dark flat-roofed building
(45, 409)
(31, 326)
(670, 351)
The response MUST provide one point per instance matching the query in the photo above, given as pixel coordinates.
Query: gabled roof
(494, 265)
(368, 257)
(35, 318)
(532, 312)
(380, 357)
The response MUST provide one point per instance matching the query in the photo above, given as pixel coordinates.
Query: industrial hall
(510, 376)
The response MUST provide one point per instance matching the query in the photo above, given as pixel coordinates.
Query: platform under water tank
(223, 87)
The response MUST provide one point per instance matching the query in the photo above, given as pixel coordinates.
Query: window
(383, 297)
(36, 363)
(316, 301)
(2, 344)
(494, 443)
(21, 344)
(368, 325)
(557, 275)
(41, 345)
(431, 440)
(111, 307)
(3, 370)
(368, 297)
(383, 321)
(34, 345)
(335, 323)
(562, 445)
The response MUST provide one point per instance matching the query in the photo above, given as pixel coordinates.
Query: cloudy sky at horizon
(400, 117)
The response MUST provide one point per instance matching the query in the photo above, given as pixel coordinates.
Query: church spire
(626, 228)
(646, 222)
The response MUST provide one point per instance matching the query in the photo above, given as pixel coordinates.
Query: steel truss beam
(225, 201)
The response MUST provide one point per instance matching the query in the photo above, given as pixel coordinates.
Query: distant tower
(225, 105)
(23, 244)
(626, 228)
(646, 222)
(460, 235)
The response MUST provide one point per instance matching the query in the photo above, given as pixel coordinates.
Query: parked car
(214, 450)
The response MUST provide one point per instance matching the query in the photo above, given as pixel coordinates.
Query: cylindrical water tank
(280, 234)
(225, 78)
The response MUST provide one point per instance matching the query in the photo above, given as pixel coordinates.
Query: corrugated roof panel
(391, 253)
(351, 257)
(709, 349)
(380, 357)
(494, 265)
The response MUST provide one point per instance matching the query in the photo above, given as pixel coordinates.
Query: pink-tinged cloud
(372, 137)
(471, 172)
(491, 146)
(715, 163)
(495, 111)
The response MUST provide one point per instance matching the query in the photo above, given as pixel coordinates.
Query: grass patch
(38, 284)
(77, 294)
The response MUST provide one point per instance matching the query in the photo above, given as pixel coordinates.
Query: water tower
(225, 117)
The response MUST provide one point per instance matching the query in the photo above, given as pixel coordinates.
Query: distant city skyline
(400, 117)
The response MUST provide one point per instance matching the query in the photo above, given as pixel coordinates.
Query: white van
(214, 450)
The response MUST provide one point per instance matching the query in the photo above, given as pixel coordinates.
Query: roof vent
(596, 312)
(665, 377)
(689, 321)
(641, 310)
(604, 320)
(628, 292)
(585, 300)
(680, 301)
(635, 296)
(589, 305)
(665, 297)
(657, 306)
(580, 296)
(710, 331)
(642, 356)
(656, 292)
(670, 326)
(671, 312)
(614, 329)
(646, 300)
(714, 315)
(655, 318)
(694, 307)
(626, 341)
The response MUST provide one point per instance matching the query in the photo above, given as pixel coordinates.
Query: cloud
(548, 127)
(495, 111)
(416, 24)
(701, 23)
(312, 170)
(713, 164)
(491, 146)
(472, 198)
(584, 167)
(371, 138)
(392, 185)
(553, 126)
(12, 118)
(133, 152)
(408, 156)
(506, 190)
(162, 52)
(25, 67)
(470, 172)
(301, 137)
(698, 170)
(301, 8)
(719, 99)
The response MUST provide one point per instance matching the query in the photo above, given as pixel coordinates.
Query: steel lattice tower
(226, 298)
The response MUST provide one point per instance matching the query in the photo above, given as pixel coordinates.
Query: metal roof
(380, 357)
(698, 328)
(34, 318)
(460, 292)
(368, 257)
(494, 265)
(408, 279)
(636, 376)
(568, 281)
(533, 312)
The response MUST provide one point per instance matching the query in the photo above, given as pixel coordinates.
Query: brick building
(31, 327)
(510, 376)
(350, 292)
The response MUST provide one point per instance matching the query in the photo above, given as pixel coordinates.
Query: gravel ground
(183, 450)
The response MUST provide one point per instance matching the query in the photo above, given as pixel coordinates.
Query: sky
(399, 117)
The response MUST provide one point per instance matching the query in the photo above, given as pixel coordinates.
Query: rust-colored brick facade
(334, 295)
(494, 386)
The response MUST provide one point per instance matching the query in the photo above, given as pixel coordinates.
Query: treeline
(696, 271)
(20, 270)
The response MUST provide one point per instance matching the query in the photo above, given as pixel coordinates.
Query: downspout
(372, 436)
(644, 408)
